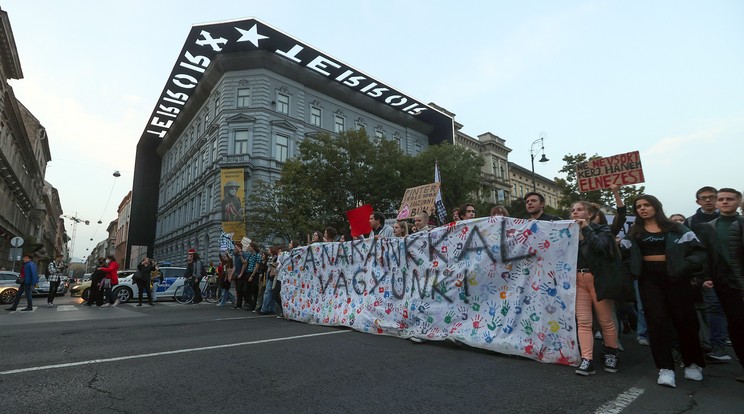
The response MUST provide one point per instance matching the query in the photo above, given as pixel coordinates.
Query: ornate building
(29, 206)
(240, 99)
(521, 181)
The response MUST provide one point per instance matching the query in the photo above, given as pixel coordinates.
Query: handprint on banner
(504, 292)
(517, 305)
(487, 337)
(448, 317)
(554, 327)
(528, 298)
(523, 236)
(455, 327)
(550, 290)
(463, 312)
(463, 233)
(509, 327)
(424, 306)
(565, 324)
(476, 321)
(495, 323)
(543, 332)
(425, 326)
(527, 327)
(544, 245)
(491, 308)
(563, 267)
(505, 308)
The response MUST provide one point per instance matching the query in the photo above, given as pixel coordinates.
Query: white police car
(172, 279)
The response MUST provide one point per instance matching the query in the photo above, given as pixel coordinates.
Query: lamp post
(533, 154)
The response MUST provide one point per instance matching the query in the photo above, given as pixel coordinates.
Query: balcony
(242, 160)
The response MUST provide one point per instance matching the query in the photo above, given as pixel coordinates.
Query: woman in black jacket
(600, 278)
(142, 277)
(664, 256)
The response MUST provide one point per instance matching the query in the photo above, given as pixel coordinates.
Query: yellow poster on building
(233, 199)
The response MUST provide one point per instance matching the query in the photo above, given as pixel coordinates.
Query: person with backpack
(194, 272)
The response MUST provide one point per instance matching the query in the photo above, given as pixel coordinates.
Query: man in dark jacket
(29, 278)
(535, 204)
(713, 329)
(724, 241)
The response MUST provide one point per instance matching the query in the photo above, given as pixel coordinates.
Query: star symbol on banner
(250, 35)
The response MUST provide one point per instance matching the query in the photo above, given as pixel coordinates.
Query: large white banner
(507, 285)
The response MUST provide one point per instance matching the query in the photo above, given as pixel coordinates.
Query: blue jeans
(27, 290)
(716, 319)
(268, 298)
(641, 328)
(226, 295)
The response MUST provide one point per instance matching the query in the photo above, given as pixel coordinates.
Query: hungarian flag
(441, 211)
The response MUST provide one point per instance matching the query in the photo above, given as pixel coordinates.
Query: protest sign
(599, 173)
(359, 220)
(418, 199)
(502, 284)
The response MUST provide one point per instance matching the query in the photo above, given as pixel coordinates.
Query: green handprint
(534, 317)
(495, 323)
(505, 308)
(448, 317)
(430, 319)
(527, 327)
(476, 307)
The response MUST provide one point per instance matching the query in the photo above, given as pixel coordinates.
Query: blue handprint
(491, 308)
(487, 337)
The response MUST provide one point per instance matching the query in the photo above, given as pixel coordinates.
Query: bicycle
(185, 293)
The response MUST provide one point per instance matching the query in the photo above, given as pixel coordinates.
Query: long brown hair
(661, 219)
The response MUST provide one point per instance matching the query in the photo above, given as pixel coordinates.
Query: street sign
(16, 241)
(15, 253)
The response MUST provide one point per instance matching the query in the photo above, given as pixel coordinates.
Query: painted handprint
(495, 323)
(505, 308)
(491, 308)
(476, 320)
(527, 327)
(448, 317)
(487, 337)
(509, 327)
(550, 290)
(554, 327)
(463, 233)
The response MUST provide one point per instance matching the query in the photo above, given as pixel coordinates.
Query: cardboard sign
(599, 173)
(418, 199)
(359, 220)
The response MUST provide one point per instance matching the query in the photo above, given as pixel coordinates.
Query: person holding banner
(400, 229)
(380, 230)
(600, 276)
(534, 202)
(665, 256)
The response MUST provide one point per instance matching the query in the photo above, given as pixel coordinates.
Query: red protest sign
(599, 173)
(359, 220)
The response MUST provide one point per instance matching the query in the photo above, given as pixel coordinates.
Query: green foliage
(459, 169)
(333, 174)
(570, 187)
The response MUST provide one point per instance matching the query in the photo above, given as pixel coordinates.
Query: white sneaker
(105, 305)
(694, 372)
(642, 341)
(116, 303)
(50, 305)
(666, 378)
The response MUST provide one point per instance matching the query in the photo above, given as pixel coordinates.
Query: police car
(172, 279)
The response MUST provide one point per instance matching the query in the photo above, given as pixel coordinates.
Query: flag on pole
(439, 203)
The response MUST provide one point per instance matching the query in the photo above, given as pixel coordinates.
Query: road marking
(66, 308)
(155, 354)
(243, 317)
(621, 402)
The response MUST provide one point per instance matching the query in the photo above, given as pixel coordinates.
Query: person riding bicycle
(194, 272)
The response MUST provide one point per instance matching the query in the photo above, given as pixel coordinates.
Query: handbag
(19, 280)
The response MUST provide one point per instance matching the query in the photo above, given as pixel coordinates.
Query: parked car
(8, 278)
(8, 294)
(42, 288)
(172, 279)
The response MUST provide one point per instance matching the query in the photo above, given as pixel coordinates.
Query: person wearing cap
(232, 209)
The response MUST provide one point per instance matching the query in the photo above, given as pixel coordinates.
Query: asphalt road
(174, 358)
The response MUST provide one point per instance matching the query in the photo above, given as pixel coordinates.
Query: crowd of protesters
(678, 282)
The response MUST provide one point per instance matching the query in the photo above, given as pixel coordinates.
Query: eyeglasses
(707, 198)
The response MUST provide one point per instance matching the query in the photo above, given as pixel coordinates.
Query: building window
(379, 134)
(418, 149)
(216, 106)
(213, 153)
(282, 103)
(281, 147)
(244, 97)
(315, 116)
(241, 142)
(338, 123)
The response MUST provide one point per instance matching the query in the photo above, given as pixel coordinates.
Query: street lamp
(533, 154)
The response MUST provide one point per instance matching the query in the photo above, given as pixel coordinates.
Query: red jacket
(110, 271)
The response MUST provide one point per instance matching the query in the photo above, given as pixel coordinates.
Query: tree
(459, 168)
(331, 174)
(570, 188)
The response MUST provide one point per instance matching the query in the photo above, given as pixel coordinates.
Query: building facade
(245, 105)
(521, 181)
(495, 185)
(29, 206)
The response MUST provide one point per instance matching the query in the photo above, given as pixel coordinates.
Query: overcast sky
(605, 77)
